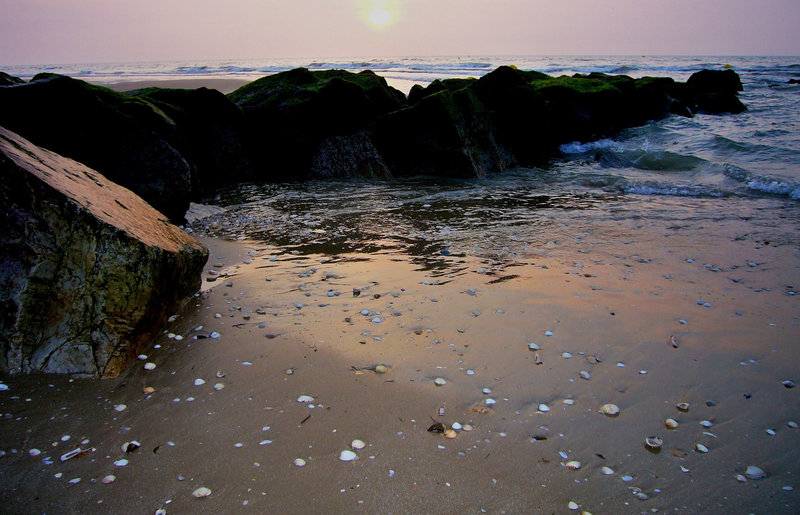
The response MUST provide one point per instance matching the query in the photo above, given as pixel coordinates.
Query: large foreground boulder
(89, 272)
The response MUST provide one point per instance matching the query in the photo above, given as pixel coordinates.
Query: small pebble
(299, 462)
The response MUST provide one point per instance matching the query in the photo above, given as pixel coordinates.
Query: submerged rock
(88, 271)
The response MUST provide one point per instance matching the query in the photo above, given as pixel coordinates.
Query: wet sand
(225, 86)
(611, 299)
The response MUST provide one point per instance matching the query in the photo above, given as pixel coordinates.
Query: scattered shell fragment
(682, 406)
(702, 449)
(439, 381)
(486, 391)
(149, 365)
(607, 471)
(706, 423)
(201, 492)
(129, 447)
(573, 465)
(673, 341)
(612, 410)
(792, 424)
(438, 427)
(358, 444)
(533, 347)
(34, 452)
(585, 375)
(451, 433)
(120, 407)
(108, 479)
(347, 456)
(653, 442)
(305, 398)
(219, 386)
(147, 390)
(490, 402)
(71, 454)
(456, 426)
(300, 462)
(740, 478)
(121, 463)
(572, 505)
(753, 472)
(544, 408)
(199, 382)
(381, 369)
(789, 383)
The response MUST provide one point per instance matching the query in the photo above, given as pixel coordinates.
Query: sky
(94, 31)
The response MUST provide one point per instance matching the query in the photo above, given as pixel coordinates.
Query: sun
(380, 17)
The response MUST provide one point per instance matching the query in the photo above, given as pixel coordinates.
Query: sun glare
(380, 17)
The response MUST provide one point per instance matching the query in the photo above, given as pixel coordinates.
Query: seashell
(702, 449)
(486, 391)
(537, 359)
(129, 447)
(490, 401)
(789, 383)
(142, 357)
(684, 469)
(585, 375)
(289, 371)
(305, 398)
(566, 355)
(563, 454)
(753, 472)
(357, 444)
(160, 511)
(71, 454)
(439, 381)
(199, 382)
(682, 406)
(108, 479)
(544, 408)
(219, 374)
(201, 492)
(569, 402)
(34, 452)
(572, 505)
(673, 341)
(467, 427)
(347, 456)
(149, 365)
(147, 390)
(607, 471)
(300, 462)
(451, 433)
(438, 427)
(381, 369)
(121, 463)
(792, 424)
(653, 442)
(740, 478)
(120, 407)
(533, 347)
(573, 465)
(219, 386)
(456, 426)
(612, 410)
(483, 410)
(706, 423)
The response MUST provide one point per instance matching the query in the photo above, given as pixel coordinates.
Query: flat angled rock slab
(89, 271)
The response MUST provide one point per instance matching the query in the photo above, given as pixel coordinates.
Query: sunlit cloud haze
(69, 31)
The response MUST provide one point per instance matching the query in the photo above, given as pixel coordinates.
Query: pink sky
(76, 31)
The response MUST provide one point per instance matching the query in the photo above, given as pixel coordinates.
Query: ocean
(709, 163)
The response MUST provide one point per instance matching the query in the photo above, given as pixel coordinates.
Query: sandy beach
(640, 316)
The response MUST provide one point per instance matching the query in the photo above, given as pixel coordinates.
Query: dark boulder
(289, 115)
(208, 134)
(88, 270)
(9, 80)
(125, 138)
(714, 92)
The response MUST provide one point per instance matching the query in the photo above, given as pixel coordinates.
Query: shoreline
(280, 311)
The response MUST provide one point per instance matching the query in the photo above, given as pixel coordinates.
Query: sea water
(698, 170)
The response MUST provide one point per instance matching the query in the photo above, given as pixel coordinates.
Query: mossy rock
(9, 80)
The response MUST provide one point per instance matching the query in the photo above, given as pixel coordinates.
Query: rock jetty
(89, 272)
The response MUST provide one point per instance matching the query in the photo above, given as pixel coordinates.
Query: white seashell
(653, 442)
(160, 511)
(149, 365)
(347, 456)
(289, 371)
(439, 381)
(456, 426)
(198, 382)
(34, 452)
(544, 408)
(572, 505)
(740, 478)
(74, 480)
(451, 433)
(753, 472)
(792, 424)
(219, 386)
(700, 448)
(706, 423)
(121, 463)
(108, 479)
(533, 346)
(566, 355)
(71, 454)
(627, 478)
(563, 454)
(684, 469)
(607, 471)
(771, 432)
(381, 369)
(120, 407)
(548, 333)
(357, 444)
(682, 406)
(490, 401)
(585, 375)
(305, 398)
(573, 465)
(612, 410)
(300, 462)
(201, 492)
(467, 427)
(142, 357)
(671, 423)
(569, 402)
(3, 387)
(486, 391)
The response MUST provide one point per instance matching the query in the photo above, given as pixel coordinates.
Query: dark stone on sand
(291, 117)
(125, 138)
(714, 92)
(9, 80)
(89, 272)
